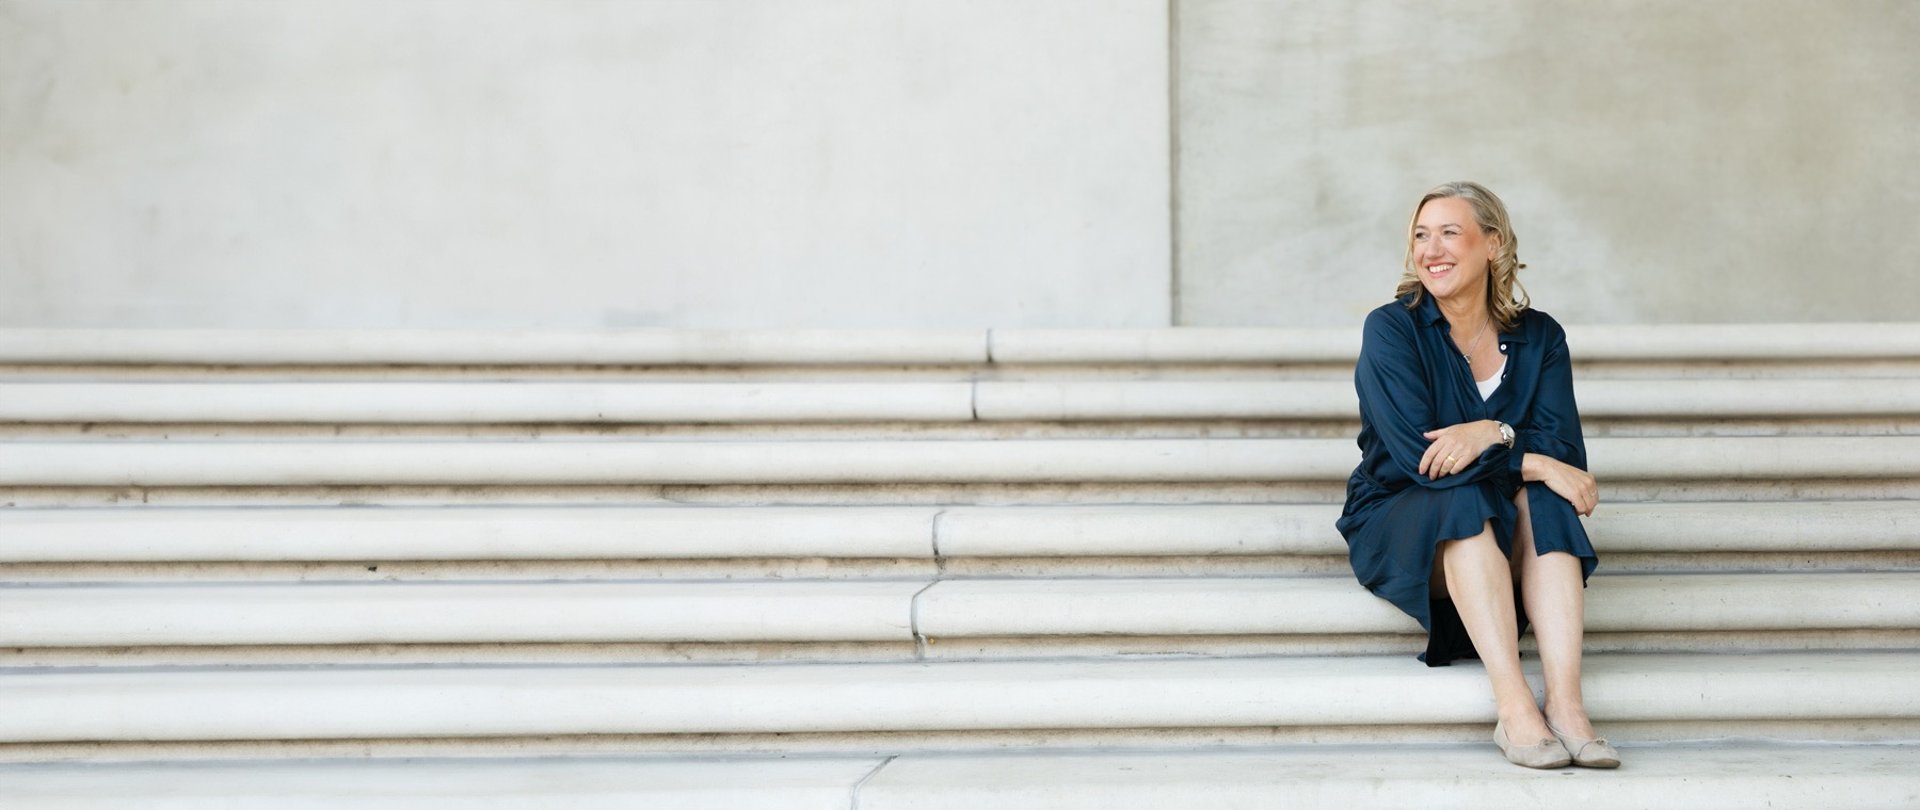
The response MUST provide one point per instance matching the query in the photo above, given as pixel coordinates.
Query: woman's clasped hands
(1456, 446)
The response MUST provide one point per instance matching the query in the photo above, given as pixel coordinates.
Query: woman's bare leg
(1550, 587)
(1480, 581)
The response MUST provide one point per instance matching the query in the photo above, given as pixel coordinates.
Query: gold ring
(1449, 458)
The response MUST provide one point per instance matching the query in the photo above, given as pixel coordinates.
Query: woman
(1473, 473)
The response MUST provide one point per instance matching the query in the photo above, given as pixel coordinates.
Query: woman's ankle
(1523, 719)
(1569, 716)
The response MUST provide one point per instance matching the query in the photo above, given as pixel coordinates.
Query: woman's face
(1450, 253)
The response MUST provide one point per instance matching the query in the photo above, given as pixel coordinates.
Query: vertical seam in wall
(1173, 163)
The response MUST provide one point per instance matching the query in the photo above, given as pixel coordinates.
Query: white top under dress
(1487, 385)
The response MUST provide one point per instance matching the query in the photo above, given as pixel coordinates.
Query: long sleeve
(1552, 426)
(1396, 404)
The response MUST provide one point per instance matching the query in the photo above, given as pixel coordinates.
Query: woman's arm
(1576, 485)
(1395, 402)
(1549, 448)
(1552, 425)
(1469, 438)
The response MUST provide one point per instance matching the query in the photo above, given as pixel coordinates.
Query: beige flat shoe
(1547, 753)
(1594, 753)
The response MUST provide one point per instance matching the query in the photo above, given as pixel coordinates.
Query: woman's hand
(1567, 481)
(1457, 446)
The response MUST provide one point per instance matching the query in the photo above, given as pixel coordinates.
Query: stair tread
(624, 347)
(906, 417)
(456, 612)
(352, 702)
(1729, 775)
(576, 461)
(405, 784)
(895, 401)
(829, 347)
(1723, 775)
(601, 532)
(880, 610)
(1337, 604)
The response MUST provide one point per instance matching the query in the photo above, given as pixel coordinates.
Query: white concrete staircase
(906, 570)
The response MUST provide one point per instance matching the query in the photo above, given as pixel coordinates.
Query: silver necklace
(1476, 342)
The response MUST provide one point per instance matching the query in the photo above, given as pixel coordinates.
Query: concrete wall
(940, 163)
(1706, 161)
(735, 163)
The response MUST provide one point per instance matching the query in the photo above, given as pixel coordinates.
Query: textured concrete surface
(570, 461)
(362, 164)
(526, 532)
(1336, 604)
(1731, 776)
(871, 404)
(1735, 775)
(1760, 343)
(465, 533)
(477, 612)
(1793, 658)
(759, 783)
(43, 615)
(1699, 162)
(1077, 163)
(1394, 692)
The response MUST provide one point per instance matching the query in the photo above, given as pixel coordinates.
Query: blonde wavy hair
(1503, 271)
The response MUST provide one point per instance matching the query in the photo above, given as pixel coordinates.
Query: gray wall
(735, 163)
(940, 163)
(1700, 161)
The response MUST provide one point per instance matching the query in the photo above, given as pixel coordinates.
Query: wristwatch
(1506, 434)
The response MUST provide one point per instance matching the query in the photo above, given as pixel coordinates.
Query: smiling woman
(1473, 472)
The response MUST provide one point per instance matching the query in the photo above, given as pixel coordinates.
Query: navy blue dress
(1411, 380)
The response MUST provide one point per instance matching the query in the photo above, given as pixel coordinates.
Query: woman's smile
(1449, 248)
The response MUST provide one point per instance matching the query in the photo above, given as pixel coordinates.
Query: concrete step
(1603, 343)
(855, 402)
(133, 534)
(822, 783)
(1050, 531)
(1733, 775)
(588, 462)
(454, 613)
(134, 615)
(1727, 775)
(1600, 399)
(485, 402)
(384, 347)
(1336, 605)
(1341, 698)
(375, 534)
(1898, 342)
